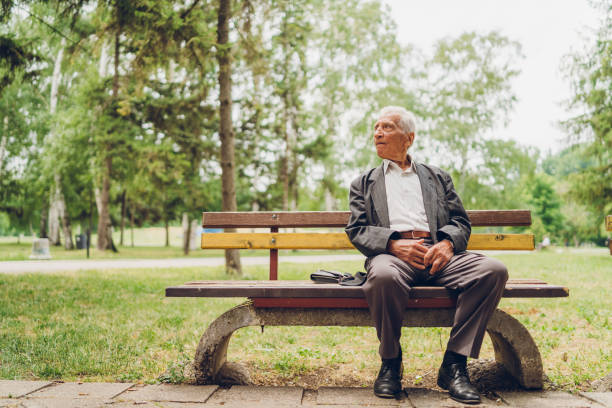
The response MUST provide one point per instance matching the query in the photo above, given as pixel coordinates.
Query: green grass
(118, 326)
(22, 251)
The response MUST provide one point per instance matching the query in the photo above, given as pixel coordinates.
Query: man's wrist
(390, 244)
(450, 242)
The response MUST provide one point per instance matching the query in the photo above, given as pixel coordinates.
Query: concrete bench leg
(210, 364)
(516, 350)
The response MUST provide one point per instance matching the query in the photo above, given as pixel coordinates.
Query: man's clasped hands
(419, 256)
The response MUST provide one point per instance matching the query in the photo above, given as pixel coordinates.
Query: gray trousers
(479, 281)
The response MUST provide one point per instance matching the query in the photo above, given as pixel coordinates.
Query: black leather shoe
(389, 381)
(454, 378)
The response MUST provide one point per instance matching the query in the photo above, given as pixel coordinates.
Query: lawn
(22, 251)
(148, 245)
(116, 325)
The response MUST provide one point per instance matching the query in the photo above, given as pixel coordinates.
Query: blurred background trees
(110, 112)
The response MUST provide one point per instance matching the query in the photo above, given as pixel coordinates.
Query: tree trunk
(63, 214)
(105, 238)
(56, 204)
(285, 126)
(43, 221)
(167, 231)
(330, 201)
(123, 209)
(67, 229)
(132, 226)
(3, 142)
(54, 215)
(226, 133)
(186, 233)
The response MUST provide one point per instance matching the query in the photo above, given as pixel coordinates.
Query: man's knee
(496, 272)
(382, 272)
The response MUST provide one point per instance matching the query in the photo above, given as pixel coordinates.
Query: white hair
(407, 121)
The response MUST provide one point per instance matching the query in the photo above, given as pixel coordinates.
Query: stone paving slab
(63, 403)
(245, 394)
(10, 403)
(16, 389)
(604, 398)
(169, 392)
(355, 396)
(133, 404)
(545, 399)
(158, 404)
(426, 398)
(82, 390)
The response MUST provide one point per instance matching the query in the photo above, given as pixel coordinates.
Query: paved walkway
(75, 265)
(42, 394)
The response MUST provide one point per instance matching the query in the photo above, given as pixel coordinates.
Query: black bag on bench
(343, 278)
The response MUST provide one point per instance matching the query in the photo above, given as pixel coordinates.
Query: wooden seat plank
(332, 219)
(292, 283)
(307, 289)
(349, 303)
(340, 240)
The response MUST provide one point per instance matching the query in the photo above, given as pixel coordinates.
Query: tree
(467, 94)
(226, 132)
(590, 127)
(545, 204)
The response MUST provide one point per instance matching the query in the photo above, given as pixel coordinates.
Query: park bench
(303, 303)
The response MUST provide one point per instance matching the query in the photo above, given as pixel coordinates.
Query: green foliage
(545, 205)
(590, 130)
(137, 107)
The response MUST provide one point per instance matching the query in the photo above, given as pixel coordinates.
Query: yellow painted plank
(339, 240)
(609, 222)
(501, 241)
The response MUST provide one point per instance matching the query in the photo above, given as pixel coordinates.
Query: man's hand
(410, 251)
(438, 256)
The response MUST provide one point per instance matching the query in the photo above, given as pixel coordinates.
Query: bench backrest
(275, 240)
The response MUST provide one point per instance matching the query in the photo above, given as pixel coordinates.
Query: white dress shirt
(404, 198)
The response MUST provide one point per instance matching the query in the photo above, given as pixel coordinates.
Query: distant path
(78, 264)
(75, 265)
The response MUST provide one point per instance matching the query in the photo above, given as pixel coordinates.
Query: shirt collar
(388, 163)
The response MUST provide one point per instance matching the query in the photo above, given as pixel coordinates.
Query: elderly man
(410, 223)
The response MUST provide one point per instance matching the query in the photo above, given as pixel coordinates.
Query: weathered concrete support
(513, 345)
(211, 354)
(516, 350)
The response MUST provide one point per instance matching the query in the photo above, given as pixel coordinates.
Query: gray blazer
(368, 226)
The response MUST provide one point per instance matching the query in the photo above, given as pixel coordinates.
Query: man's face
(391, 141)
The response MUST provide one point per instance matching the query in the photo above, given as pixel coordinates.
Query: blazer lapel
(429, 197)
(379, 196)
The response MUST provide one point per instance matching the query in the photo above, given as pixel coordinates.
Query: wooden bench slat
(294, 283)
(320, 219)
(349, 303)
(307, 289)
(339, 240)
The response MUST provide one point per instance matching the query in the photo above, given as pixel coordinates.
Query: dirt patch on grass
(486, 375)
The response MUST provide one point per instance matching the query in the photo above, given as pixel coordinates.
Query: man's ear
(410, 138)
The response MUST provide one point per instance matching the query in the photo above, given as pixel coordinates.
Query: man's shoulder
(365, 176)
(435, 170)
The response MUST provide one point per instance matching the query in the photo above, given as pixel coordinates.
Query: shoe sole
(463, 401)
(386, 395)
